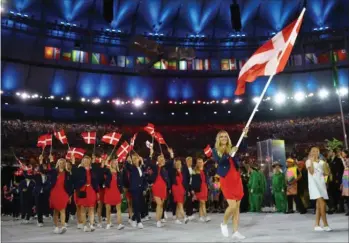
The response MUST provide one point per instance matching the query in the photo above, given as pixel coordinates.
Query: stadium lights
(83, 99)
(144, 113)
(310, 95)
(186, 113)
(237, 101)
(25, 96)
(6, 103)
(138, 102)
(67, 98)
(51, 97)
(131, 113)
(102, 112)
(67, 24)
(280, 98)
(215, 112)
(96, 101)
(56, 108)
(18, 94)
(255, 99)
(86, 112)
(343, 91)
(229, 112)
(323, 93)
(299, 96)
(172, 113)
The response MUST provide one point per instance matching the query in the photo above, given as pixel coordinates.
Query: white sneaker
(165, 215)
(140, 226)
(92, 228)
(87, 229)
(40, 225)
(56, 230)
(186, 220)
(146, 218)
(99, 225)
(120, 226)
(174, 217)
(72, 217)
(63, 230)
(178, 221)
(130, 221)
(207, 219)
(318, 228)
(134, 224)
(201, 219)
(80, 226)
(192, 217)
(238, 236)
(111, 225)
(163, 220)
(25, 222)
(108, 226)
(159, 224)
(327, 228)
(66, 225)
(224, 230)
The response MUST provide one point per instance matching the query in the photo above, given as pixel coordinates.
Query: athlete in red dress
(230, 180)
(202, 195)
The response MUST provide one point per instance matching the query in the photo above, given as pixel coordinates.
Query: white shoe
(93, 228)
(327, 229)
(238, 236)
(56, 230)
(25, 222)
(192, 217)
(201, 219)
(178, 221)
(99, 225)
(165, 215)
(40, 225)
(87, 229)
(159, 224)
(318, 228)
(224, 230)
(130, 221)
(111, 225)
(140, 226)
(80, 226)
(134, 224)
(71, 217)
(66, 225)
(163, 220)
(63, 230)
(207, 219)
(174, 217)
(108, 226)
(146, 218)
(120, 226)
(186, 220)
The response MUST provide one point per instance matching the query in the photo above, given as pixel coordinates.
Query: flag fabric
(44, 140)
(148, 144)
(52, 53)
(123, 150)
(61, 136)
(267, 60)
(159, 138)
(132, 141)
(341, 54)
(103, 157)
(208, 151)
(89, 137)
(77, 153)
(112, 138)
(150, 129)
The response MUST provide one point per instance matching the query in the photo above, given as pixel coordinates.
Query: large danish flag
(61, 136)
(267, 60)
(77, 153)
(123, 150)
(150, 129)
(132, 141)
(208, 151)
(112, 138)
(159, 138)
(44, 140)
(89, 137)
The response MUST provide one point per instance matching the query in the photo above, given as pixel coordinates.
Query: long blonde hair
(318, 154)
(218, 146)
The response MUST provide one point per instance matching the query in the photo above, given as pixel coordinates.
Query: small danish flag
(89, 137)
(111, 138)
(208, 151)
(61, 136)
(123, 150)
(159, 138)
(44, 140)
(150, 129)
(77, 153)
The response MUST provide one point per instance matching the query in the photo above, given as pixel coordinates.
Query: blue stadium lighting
(321, 28)
(202, 36)
(107, 29)
(119, 31)
(315, 29)
(326, 27)
(161, 34)
(156, 34)
(26, 15)
(243, 35)
(11, 12)
(19, 14)
(113, 30)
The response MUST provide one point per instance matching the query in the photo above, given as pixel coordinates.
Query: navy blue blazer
(196, 181)
(79, 174)
(108, 177)
(163, 171)
(40, 185)
(223, 162)
(100, 173)
(138, 183)
(28, 190)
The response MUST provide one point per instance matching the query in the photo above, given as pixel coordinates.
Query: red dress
(100, 195)
(128, 194)
(159, 187)
(202, 195)
(91, 196)
(178, 190)
(231, 184)
(112, 194)
(58, 196)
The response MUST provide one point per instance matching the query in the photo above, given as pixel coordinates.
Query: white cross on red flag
(159, 138)
(132, 141)
(89, 137)
(111, 138)
(103, 157)
(77, 153)
(208, 151)
(267, 60)
(123, 150)
(150, 129)
(61, 136)
(44, 140)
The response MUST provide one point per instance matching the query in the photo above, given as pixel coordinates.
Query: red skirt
(178, 193)
(100, 195)
(112, 196)
(202, 195)
(231, 184)
(90, 199)
(159, 188)
(59, 198)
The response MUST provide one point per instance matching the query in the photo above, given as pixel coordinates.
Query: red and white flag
(111, 138)
(77, 153)
(148, 144)
(123, 150)
(103, 157)
(132, 141)
(208, 151)
(44, 140)
(150, 129)
(61, 136)
(267, 60)
(89, 137)
(159, 138)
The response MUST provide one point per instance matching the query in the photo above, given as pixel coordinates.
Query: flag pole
(335, 84)
(267, 84)
(51, 144)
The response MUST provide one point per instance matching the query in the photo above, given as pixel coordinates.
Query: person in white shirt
(317, 170)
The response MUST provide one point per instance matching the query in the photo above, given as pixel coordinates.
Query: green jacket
(257, 182)
(278, 182)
